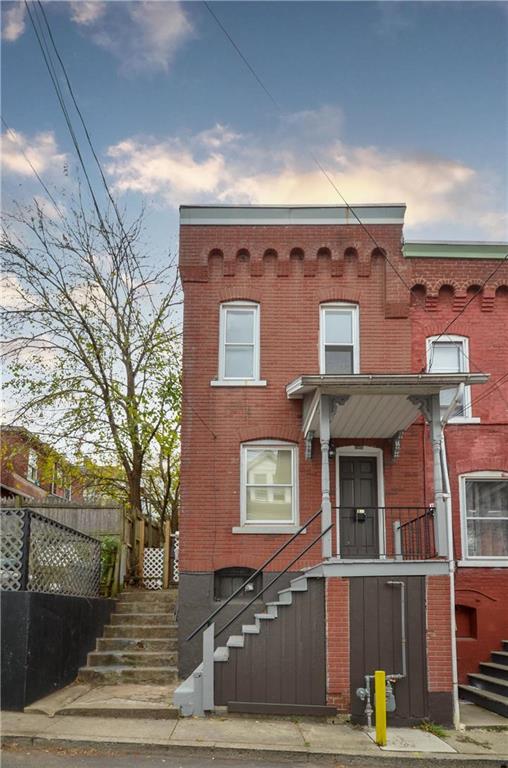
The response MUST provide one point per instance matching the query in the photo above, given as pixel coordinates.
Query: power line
(41, 182)
(309, 151)
(502, 379)
(473, 297)
(52, 74)
(80, 115)
(320, 165)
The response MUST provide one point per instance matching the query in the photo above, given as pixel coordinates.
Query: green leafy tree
(93, 339)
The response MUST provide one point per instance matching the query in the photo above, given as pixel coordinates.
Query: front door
(358, 513)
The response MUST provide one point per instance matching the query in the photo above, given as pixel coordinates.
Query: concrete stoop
(139, 644)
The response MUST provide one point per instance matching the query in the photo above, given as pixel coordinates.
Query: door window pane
(487, 518)
(239, 327)
(239, 362)
(338, 327)
(338, 359)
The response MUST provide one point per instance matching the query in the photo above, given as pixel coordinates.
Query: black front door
(358, 514)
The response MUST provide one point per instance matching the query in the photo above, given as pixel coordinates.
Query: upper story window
(339, 339)
(450, 354)
(484, 505)
(269, 472)
(239, 342)
(32, 472)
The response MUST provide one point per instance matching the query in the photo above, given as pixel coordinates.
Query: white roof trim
(381, 383)
(217, 215)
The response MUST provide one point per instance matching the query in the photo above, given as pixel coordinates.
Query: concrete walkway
(296, 740)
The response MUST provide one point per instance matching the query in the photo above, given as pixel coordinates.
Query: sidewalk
(298, 740)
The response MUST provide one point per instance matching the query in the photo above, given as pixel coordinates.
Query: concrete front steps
(139, 645)
(488, 688)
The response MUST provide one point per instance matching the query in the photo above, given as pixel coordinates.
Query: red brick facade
(290, 270)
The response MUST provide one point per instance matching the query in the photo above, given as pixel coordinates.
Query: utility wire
(329, 178)
(502, 380)
(80, 115)
(41, 182)
(52, 73)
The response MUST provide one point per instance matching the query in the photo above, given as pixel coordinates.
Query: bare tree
(92, 337)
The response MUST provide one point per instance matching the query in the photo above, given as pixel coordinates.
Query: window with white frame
(450, 354)
(269, 472)
(32, 472)
(239, 341)
(484, 502)
(339, 339)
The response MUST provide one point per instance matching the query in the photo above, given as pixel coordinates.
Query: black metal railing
(38, 554)
(206, 623)
(400, 533)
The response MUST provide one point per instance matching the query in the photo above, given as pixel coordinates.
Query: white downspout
(451, 566)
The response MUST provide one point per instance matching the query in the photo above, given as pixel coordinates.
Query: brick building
(31, 470)
(319, 386)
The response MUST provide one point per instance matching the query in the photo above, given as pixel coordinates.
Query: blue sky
(400, 102)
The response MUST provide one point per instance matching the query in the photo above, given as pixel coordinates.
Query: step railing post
(397, 540)
(208, 668)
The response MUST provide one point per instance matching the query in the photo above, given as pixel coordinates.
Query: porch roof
(371, 405)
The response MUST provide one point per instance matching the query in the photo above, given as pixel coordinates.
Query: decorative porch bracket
(430, 407)
(327, 411)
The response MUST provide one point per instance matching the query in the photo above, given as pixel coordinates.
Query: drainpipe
(451, 567)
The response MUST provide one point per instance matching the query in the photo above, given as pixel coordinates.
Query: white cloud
(219, 165)
(87, 12)
(41, 150)
(13, 22)
(144, 35)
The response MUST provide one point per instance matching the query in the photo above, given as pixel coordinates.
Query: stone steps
(129, 644)
(139, 645)
(131, 659)
(119, 675)
(140, 631)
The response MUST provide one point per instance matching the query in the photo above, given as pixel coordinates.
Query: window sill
(485, 563)
(468, 420)
(237, 383)
(277, 529)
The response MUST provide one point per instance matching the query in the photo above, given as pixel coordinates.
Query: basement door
(376, 643)
(358, 513)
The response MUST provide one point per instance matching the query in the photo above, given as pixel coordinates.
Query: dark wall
(196, 602)
(285, 664)
(45, 639)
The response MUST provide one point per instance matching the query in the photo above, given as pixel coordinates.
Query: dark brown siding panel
(285, 664)
(375, 643)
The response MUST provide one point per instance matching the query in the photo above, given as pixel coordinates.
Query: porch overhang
(371, 405)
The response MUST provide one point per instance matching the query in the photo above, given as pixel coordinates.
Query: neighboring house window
(269, 472)
(67, 494)
(239, 342)
(339, 339)
(484, 502)
(450, 354)
(32, 473)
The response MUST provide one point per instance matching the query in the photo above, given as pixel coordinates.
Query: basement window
(227, 580)
(339, 339)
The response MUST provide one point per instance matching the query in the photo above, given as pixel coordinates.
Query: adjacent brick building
(321, 359)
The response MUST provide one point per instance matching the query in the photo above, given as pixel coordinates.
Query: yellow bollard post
(380, 704)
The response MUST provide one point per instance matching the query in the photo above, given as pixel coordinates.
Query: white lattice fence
(153, 567)
(175, 546)
(11, 548)
(42, 555)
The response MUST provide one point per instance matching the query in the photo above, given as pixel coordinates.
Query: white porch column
(326, 505)
(436, 436)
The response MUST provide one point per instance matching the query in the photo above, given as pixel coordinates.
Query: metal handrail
(207, 621)
(429, 511)
(262, 591)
